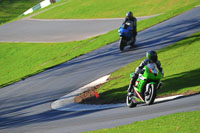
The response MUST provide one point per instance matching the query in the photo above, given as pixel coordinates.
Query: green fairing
(142, 80)
(140, 84)
(148, 75)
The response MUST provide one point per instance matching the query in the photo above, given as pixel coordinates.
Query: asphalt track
(25, 106)
(60, 30)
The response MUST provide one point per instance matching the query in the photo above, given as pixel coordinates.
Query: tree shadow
(116, 95)
(47, 116)
(181, 81)
(187, 41)
(22, 110)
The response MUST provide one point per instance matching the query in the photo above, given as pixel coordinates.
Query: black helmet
(152, 56)
(129, 15)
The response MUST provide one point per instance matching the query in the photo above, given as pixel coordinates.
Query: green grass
(20, 63)
(186, 122)
(10, 9)
(112, 8)
(181, 65)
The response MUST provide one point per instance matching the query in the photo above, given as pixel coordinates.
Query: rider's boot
(132, 84)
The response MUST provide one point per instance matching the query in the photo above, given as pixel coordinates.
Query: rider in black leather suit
(130, 18)
(151, 57)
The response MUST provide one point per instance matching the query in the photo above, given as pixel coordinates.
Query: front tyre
(129, 102)
(121, 44)
(150, 94)
(133, 42)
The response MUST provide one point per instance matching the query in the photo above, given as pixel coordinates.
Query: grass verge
(110, 9)
(179, 122)
(10, 9)
(21, 64)
(181, 65)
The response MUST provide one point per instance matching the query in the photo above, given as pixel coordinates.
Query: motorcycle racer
(151, 57)
(130, 18)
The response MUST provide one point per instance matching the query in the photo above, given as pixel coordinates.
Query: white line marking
(45, 3)
(28, 11)
(167, 98)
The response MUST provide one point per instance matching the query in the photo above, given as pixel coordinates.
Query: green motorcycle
(146, 86)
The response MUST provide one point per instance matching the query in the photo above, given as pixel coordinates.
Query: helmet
(129, 15)
(152, 56)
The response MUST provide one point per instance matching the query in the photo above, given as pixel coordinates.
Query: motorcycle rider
(133, 21)
(151, 57)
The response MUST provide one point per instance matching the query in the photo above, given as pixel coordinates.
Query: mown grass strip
(181, 65)
(112, 8)
(10, 9)
(179, 122)
(21, 60)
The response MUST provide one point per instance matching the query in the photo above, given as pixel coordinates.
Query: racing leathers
(133, 24)
(140, 69)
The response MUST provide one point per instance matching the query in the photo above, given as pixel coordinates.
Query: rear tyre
(150, 94)
(130, 102)
(121, 44)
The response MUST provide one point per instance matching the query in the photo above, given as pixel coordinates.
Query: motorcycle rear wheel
(129, 102)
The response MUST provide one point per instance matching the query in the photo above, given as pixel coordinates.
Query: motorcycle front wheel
(121, 44)
(133, 42)
(150, 94)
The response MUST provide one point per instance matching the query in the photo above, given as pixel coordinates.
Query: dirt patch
(89, 96)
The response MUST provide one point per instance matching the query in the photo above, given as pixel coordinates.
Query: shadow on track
(12, 117)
